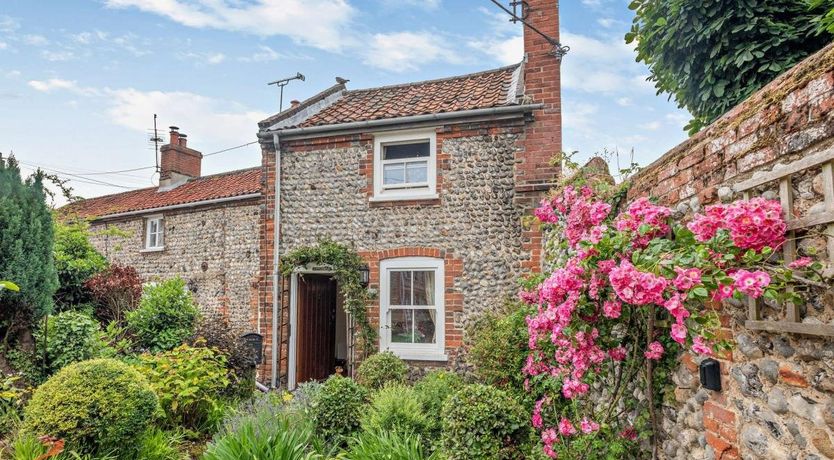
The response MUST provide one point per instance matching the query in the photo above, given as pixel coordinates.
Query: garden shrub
(76, 260)
(395, 408)
(11, 404)
(31, 448)
(217, 333)
(337, 409)
(157, 444)
(376, 445)
(282, 439)
(68, 337)
(381, 368)
(432, 391)
(188, 381)
(94, 405)
(483, 422)
(116, 291)
(304, 396)
(166, 316)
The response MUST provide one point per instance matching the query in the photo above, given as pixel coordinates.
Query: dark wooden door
(316, 328)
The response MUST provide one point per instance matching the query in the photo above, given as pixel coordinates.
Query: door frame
(292, 362)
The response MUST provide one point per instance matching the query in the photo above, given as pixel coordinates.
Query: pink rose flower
(802, 262)
(679, 333)
(588, 426)
(700, 346)
(566, 427)
(612, 308)
(618, 353)
(655, 351)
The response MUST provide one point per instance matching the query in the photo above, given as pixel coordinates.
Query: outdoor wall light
(365, 275)
(710, 371)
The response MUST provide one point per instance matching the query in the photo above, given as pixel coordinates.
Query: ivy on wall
(346, 265)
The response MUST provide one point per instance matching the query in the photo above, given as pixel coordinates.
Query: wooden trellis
(792, 322)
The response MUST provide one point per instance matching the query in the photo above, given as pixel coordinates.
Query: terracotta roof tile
(224, 185)
(474, 91)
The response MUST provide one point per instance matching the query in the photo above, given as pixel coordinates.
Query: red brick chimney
(543, 138)
(178, 163)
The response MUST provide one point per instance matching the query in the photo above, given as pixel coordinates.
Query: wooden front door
(316, 327)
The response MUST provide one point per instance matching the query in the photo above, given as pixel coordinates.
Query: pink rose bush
(617, 271)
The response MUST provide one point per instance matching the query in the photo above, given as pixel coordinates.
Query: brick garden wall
(215, 250)
(777, 397)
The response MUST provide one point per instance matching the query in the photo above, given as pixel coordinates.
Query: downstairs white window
(412, 310)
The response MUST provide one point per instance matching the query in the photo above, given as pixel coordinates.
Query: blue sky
(81, 80)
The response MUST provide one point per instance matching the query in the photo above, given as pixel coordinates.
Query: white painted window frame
(413, 352)
(160, 220)
(403, 192)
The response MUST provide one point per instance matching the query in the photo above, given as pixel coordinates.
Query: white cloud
(3, 45)
(403, 51)
(652, 125)
(204, 58)
(504, 43)
(206, 120)
(264, 54)
(607, 22)
(58, 84)
(8, 24)
(12, 74)
(600, 65)
(624, 101)
(425, 4)
(318, 23)
(35, 40)
(58, 56)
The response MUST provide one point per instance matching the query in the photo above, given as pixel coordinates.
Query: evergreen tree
(26, 238)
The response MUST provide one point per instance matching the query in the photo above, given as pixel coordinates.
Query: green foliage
(9, 285)
(188, 381)
(68, 337)
(30, 448)
(337, 409)
(26, 248)
(381, 368)
(166, 316)
(11, 404)
(396, 409)
(76, 260)
(216, 333)
(380, 445)
(304, 396)
(825, 23)
(498, 346)
(709, 56)
(346, 264)
(157, 444)
(282, 439)
(432, 391)
(95, 405)
(481, 422)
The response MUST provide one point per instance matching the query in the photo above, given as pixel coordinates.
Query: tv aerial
(281, 84)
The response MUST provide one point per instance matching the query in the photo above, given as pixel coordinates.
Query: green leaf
(9, 285)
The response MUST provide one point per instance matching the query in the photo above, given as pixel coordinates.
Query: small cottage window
(154, 233)
(405, 166)
(412, 308)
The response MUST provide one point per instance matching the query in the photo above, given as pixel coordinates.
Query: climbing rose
(756, 223)
(751, 283)
(588, 426)
(655, 351)
(617, 354)
(724, 291)
(687, 278)
(802, 262)
(705, 226)
(636, 287)
(549, 437)
(676, 308)
(679, 333)
(629, 433)
(566, 428)
(643, 212)
(611, 308)
(700, 346)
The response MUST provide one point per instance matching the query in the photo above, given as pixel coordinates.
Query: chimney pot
(294, 103)
(178, 162)
(183, 139)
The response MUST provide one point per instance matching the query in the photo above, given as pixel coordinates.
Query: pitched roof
(224, 185)
(491, 88)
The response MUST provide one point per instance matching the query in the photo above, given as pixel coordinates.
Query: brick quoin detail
(453, 268)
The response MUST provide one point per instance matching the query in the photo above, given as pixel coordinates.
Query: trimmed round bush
(483, 422)
(395, 408)
(432, 391)
(381, 368)
(94, 405)
(337, 409)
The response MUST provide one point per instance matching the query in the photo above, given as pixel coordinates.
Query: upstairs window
(405, 165)
(154, 233)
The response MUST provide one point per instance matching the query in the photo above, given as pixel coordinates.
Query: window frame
(160, 220)
(427, 190)
(413, 351)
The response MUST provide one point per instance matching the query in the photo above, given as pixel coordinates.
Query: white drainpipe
(276, 276)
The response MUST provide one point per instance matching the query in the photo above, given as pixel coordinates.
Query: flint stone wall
(215, 250)
(777, 393)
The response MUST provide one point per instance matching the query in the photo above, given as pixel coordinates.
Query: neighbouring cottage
(203, 229)
(777, 396)
(429, 182)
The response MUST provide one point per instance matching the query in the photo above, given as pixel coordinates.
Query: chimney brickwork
(178, 162)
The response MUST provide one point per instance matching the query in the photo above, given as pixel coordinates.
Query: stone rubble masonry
(213, 248)
(776, 401)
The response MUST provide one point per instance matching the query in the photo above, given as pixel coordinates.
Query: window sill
(416, 197)
(418, 356)
(149, 250)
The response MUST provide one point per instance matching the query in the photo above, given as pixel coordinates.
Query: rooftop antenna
(281, 84)
(156, 140)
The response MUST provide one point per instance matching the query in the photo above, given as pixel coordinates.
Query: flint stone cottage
(429, 182)
(203, 229)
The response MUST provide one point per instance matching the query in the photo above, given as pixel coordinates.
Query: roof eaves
(436, 80)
